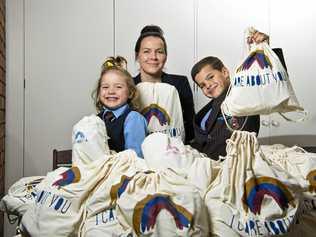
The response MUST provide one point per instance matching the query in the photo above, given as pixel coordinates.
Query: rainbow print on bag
(256, 188)
(146, 212)
(70, 176)
(155, 110)
(256, 56)
(117, 189)
(311, 177)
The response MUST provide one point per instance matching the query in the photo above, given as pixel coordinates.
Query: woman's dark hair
(149, 30)
(214, 62)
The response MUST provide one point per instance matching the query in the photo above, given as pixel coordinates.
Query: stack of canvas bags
(163, 152)
(295, 161)
(250, 196)
(162, 204)
(89, 140)
(59, 204)
(302, 165)
(100, 219)
(104, 223)
(21, 195)
(160, 105)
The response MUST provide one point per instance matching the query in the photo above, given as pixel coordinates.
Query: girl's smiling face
(114, 90)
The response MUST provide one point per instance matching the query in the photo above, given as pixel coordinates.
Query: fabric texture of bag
(296, 161)
(122, 167)
(160, 105)
(59, 204)
(301, 164)
(251, 196)
(260, 85)
(163, 152)
(104, 223)
(89, 140)
(162, 204)
(21, 195)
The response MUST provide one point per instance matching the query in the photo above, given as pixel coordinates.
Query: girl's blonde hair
(118, 64)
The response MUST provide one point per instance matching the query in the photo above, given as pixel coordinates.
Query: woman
(151, 54)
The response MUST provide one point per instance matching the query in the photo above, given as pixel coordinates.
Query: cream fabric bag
(103, 224)
(260, 85)
(250, 196)
(203, 170)
(302, 165)
(21, 195)
(162, 152)
(59, 204)
(123, 166)
(89, 140)
(160, 105)
(296, 161)
(162, 204)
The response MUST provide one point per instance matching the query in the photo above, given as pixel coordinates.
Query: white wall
(65, 45)
(58, 46)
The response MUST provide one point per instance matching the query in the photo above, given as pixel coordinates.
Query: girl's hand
(257, 37)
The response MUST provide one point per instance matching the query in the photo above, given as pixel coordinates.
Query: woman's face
(152, 56)
(213, 82)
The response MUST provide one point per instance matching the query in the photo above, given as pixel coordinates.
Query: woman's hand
(257, 37)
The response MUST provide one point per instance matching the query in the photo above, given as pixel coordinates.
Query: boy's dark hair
(214, 62)
(150, 30)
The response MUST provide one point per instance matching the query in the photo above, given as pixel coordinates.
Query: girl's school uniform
(126, 128)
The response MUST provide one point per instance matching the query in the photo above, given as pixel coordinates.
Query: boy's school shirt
(204, 120)
(203, 123)
(135, 128)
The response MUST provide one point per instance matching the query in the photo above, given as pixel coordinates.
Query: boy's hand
(257, 37)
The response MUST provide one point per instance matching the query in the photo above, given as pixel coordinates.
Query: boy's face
(212, 82)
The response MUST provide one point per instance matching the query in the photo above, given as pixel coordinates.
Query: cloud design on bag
(147, 210)
(70, 176)
(80, 137)
(311, 177)
(256, 56)
(256, 188)
(154, 110)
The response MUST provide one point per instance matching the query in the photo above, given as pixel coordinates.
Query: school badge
(234, 123)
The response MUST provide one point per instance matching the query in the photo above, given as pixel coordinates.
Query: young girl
(116, 102)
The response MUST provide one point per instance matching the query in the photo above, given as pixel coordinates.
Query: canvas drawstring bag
(260, 85)
(163, 152)
(160, 105)
(89, 140)
(250, 196)
(21, 195)
(162, 204)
